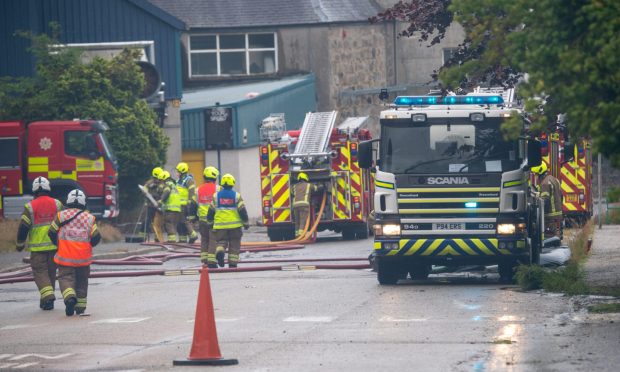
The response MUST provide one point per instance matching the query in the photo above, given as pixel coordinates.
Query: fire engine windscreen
(107, 149)
(442, 146)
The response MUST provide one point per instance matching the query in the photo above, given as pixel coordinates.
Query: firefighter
(205, 197)
(302, 191)
(74, 231)
(187, 192)
(34, 225)
(551, 194)
(154, 215)
(227, 215)
(170, 203)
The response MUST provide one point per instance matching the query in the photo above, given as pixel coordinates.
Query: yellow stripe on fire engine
(284, 216)
(88, 165)
(414, 248)
(449, 210)
(344, 150)
(273, 158)
(58, 174)
(38, 164)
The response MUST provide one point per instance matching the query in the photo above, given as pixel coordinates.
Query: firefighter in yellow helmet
(187, 192)
(205, 197)
(551, 194)
(227, 215)
(154, 216)
(170, 203)
(302, 191)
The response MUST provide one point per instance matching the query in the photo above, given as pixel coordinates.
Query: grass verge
(604, 308)
(569, 279)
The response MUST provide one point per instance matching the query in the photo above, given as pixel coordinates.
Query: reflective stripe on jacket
(42, 210)
(205, 198)
(74, 248)
(551, 192)
(173, 201)
(184, 184)
(226, 204)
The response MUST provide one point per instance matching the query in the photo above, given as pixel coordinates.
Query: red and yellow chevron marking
(573, 178)
(341, 201)
(281, 199)
(356, 187)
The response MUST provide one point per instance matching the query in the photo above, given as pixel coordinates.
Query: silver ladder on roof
(508, 94)
(315, 133)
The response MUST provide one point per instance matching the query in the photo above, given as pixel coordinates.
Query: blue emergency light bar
(447, 100)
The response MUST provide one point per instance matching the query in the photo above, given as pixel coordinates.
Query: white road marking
(120, 320)
(2, 356)
(26, 365)
(8, 365)
(42, 356)
(16, 326)
(323, 319)
(466, 306)
(222, 320)
(390, 319)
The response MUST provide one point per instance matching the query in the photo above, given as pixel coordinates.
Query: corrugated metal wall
(89, 21)
(294, 101)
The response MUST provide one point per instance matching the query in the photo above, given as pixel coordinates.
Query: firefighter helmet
(302, 176)
(211, 172)
(76, 198)
(228, 180)
(41, 184)
(541, 169)
(182, 167)
(156, 172)
(164, 175)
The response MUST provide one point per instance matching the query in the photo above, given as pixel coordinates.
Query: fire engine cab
(327, 153)
(71, 154)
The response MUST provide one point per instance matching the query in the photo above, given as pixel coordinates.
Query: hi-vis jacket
(187, 188)
(35, 222)
(75, 232)
(170, 198)
(227, 210)
(551, 192)
(301, 193)
(205, 198)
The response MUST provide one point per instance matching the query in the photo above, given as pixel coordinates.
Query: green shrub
(530, 277)
(613, 194)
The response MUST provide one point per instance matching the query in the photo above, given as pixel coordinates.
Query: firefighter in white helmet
(74, 231)
(35, 222)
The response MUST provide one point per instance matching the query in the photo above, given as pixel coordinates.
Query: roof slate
(223, 14)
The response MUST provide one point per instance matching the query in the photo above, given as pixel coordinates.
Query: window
(81, 144)
(232, 54)
(9, 153)
(447, 53)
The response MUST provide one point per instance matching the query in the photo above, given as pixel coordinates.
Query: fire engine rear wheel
(348, 234)
(388, 273)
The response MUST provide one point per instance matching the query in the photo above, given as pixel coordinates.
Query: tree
(63, 88)
(566, 50)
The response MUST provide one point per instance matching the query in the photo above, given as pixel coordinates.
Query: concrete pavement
(602, 267)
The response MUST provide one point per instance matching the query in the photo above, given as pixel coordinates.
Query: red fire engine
(571, 163)
(328, 155)
(71, 154)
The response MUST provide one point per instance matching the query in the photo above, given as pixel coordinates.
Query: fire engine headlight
(390, 229)
(506, 228)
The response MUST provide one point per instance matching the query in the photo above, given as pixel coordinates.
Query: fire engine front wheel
(388, 273)
(506, 271)
(419, 271)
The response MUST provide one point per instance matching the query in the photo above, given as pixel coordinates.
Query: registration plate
(449, 226)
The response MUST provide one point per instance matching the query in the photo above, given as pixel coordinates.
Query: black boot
(232, 266)
(48, 304)
(70, 309)
(212, 266)
(220, 258)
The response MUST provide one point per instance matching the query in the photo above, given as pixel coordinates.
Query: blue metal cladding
(294, 101)
(91, 21)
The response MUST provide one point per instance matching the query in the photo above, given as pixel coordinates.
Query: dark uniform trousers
(44, 272)
(207, 244)
(300, 215)
(171, 220)
(231, 239)
(74, 278)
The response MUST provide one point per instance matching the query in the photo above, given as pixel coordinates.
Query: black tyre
(388, 273)
(362, 232)
(275, 235)
(348, 234)
(419, 271)
(506, 271)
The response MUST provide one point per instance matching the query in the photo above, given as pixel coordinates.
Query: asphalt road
(306, 320)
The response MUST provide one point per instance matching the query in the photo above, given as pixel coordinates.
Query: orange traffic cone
(205, 349)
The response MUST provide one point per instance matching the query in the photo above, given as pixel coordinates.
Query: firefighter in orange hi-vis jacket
(74, 231)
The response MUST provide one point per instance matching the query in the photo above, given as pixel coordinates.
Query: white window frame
(218, 51)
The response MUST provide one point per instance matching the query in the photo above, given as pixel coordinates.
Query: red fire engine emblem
(45, 143)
